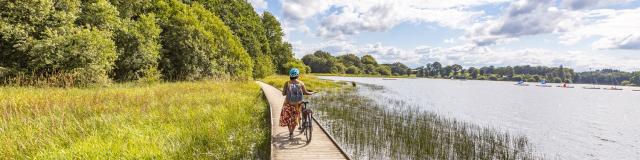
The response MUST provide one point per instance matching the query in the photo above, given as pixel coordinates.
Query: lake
(565, 123)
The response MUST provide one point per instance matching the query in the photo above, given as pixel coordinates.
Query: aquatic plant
(385, 128)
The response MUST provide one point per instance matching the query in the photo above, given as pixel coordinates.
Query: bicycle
(307, 121)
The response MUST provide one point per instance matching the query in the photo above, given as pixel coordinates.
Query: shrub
(197, 44)
(138, 50)
(295, 64)
(493, 78)
(85, 54)
(353, 70)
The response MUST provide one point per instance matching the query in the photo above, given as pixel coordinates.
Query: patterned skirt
(289, 114)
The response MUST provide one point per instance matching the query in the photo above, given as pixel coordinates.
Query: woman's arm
(304, 90)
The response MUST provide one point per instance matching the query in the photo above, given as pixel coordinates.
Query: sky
(580, 34)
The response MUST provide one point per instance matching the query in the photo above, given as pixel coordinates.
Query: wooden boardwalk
(320, 147)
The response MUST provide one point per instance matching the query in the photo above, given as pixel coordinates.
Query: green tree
(436, 69)
(398, 68)
(247, 25)
(196, 44)
(299, 65)
(350, 60)
(281, 51)
(138, 50)
(322, 62)
(368, 59)
(384, 70)
(370, 69)
(353, 70)
(100, 14)
(473, 72)
(456, 68)
(86, 54)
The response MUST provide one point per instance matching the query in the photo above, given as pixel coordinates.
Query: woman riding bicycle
(294, 90)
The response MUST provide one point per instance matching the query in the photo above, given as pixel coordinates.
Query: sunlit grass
(310, 81)
(210, 120)
(384, 128)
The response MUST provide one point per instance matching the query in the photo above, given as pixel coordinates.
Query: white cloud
(625, 42)
(616, 29)
(259, 5)
(341, 19)
(522, 18)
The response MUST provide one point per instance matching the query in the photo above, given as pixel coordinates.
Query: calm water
(561, 123)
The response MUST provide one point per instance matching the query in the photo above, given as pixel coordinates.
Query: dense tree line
(324, 62)
(84, 42)
(529, 74)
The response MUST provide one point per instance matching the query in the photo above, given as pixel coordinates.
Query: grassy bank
(385, 128)
(310, 81)
(203, 120)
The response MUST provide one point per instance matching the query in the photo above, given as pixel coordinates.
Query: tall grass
(311, 82)
(384, 128)
(201, 120)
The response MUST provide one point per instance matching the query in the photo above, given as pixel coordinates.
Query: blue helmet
(294, 72)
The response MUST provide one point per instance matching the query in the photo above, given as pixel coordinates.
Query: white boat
(543, 83)
(614, 88)
(521, 83)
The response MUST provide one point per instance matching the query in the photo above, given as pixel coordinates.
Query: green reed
(385, 128)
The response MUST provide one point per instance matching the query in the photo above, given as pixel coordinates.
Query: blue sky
(582, 34)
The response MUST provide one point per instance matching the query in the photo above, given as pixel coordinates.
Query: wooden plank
(320, 147)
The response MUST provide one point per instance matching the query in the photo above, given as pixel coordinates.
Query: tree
(350, 60)
(353, 70)
(456, 68)
(281, 51)
(370, 69)
(85, 54)
(368, 59)
(635, 79)
(247, 25)
(436, 69)
(299, 65)
(420, 71)
(473, 72)
(383, 70)
(446, 71)
(398, 68)
(321, 62)
(139, 47)
(196, 44)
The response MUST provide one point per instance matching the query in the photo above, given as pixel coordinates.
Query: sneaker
(290, 135)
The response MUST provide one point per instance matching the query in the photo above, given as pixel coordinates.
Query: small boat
(636, 90)
(594, 87)
(613, 88)
(389, 79)
(560, 86)
(521, 83)
(565, 85)
(543, 83)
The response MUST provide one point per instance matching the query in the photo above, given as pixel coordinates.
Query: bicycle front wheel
(309, 127)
